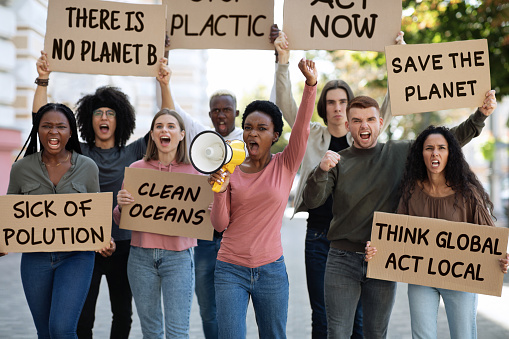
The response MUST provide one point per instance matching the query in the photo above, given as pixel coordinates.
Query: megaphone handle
(217, 187)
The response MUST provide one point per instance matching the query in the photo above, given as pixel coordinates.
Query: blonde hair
(152, 154)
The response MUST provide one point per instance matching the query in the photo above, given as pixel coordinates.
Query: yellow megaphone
(209, 152)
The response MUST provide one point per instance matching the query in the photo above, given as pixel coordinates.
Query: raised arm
(163, 77)
(41, 92)
(283, 86)
(473, 126)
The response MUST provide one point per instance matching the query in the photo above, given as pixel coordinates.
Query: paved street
(16, 321)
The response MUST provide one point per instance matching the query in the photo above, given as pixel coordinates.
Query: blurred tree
(437, 21)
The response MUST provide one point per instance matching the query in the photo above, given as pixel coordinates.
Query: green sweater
(365, 181)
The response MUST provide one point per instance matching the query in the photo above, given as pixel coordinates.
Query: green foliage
(488, 150)
(438, 21)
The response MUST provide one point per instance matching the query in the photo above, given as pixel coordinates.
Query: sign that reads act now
(432, 77)
(55, 222)
(168, 203)
(438, 253)
(104, 37)
(221, 24)
(361, 25)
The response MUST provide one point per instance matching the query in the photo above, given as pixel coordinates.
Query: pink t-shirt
(251, 210)
(152, 240)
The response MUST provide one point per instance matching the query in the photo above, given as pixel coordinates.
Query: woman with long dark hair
(438, 183)
(55, 283)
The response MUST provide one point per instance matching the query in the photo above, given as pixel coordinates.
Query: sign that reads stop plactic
(168, 203)
(220, 24)
(438, 253)
(105, 37)
(55, 222)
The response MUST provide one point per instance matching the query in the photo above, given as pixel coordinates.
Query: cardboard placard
(104, 37)
(359, 25)
(438, 253)
(220, 24)
(168, 203)
(431, 77)
(55, 222)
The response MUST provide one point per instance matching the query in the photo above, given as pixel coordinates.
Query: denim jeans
(155, 271)
(316, 251)
(345, 283)
(205, 255)
(115, 270)
(266, 285)
(461, 309)
(56, 285)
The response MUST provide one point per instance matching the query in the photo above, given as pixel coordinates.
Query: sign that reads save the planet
(105, 37)
(168, 203)
(432, 77)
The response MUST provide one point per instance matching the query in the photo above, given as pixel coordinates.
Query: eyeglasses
(109, 113)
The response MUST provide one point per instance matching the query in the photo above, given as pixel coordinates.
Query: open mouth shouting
(165, 140)
(365, 135)
(53, 143)
(252, 146)
(104, 128)
(435, 164)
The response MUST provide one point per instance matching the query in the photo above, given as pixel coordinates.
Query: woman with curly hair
(438, 183)
(106, 120)
(55, 283)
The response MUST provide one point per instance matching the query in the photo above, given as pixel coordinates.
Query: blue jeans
(461, 309)
(205, 263)
(155, 271)
(316, 252)
(115, 270)
(345, 283)
(56, 285)
(267, 285)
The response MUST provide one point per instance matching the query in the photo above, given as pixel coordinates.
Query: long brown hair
(181, 155)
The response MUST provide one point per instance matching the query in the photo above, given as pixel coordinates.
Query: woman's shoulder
(83, 160)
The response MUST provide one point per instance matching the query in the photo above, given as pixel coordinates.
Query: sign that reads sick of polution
(438, 253)
(168, 203)
(362, 25)
(104, 37)
(220, 24)
(432, 77)
(55, 222)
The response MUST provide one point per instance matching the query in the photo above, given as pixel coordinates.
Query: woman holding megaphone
(249, 209)
(161, 263)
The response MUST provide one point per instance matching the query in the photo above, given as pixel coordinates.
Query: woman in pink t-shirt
(161, 263)
(249, 209)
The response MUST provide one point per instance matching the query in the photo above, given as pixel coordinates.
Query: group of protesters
(346, 175)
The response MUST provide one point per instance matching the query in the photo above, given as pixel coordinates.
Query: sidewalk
(16, 321)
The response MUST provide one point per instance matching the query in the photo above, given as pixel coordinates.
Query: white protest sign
(55, 222)
(362, 25)
(431, 77)
(220, 24)
(168, 203)
(104, 37)
(438, 253)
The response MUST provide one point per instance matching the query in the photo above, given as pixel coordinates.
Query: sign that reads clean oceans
(104, 37)
(220, 24)
(438, 253)
(431, 77)
(55, 222)
(362, 25)
(168, 203)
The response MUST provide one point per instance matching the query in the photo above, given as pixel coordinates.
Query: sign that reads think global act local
(105, 37)
(438, 253)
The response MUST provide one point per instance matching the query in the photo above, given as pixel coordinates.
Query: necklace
(60, 163)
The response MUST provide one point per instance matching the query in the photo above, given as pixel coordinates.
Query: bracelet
(42, 82)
